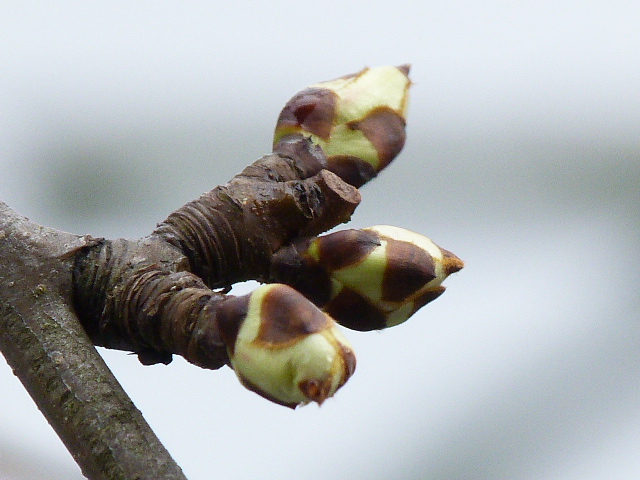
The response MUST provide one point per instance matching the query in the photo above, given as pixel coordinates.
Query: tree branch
(47, 348)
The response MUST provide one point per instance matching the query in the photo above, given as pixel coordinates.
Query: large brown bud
(284, 348)
(358, 120)
(367, 279)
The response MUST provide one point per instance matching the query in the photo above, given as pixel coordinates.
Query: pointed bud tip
(451, 262)
(405, 68)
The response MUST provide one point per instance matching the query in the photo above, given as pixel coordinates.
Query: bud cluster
(158, 295)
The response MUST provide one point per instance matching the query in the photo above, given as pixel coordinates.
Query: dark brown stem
(230, 233)
(153, 296)
(135, 295)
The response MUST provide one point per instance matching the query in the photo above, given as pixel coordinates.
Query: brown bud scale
(286, 319)
(408, 269)
(310, 110)
(345, 248)
(385, 129)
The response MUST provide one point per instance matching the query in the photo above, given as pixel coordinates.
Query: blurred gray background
(523, 158)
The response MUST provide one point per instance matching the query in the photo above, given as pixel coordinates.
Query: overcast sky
(522, 157)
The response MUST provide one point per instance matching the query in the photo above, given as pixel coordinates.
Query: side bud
(358, 120)
(367, 279)
(283, 347)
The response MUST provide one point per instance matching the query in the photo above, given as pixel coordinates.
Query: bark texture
(47, 348)
(154, 296)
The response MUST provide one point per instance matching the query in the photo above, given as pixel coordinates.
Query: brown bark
(49, 351)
